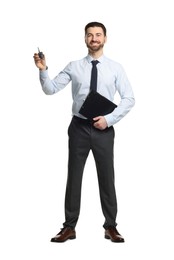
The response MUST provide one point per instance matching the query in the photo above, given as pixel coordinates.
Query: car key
(40, 53)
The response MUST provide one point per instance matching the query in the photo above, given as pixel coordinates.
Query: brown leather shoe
(65, 234)
(112, 234)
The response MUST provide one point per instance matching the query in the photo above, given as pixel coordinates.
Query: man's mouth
(94, 43)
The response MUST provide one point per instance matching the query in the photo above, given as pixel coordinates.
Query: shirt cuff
(109, 120)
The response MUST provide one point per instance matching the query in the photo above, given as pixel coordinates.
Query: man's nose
(94, 38)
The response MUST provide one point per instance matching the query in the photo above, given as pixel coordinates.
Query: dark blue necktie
(93, 84)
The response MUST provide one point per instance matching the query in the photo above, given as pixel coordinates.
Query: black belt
(84, 121)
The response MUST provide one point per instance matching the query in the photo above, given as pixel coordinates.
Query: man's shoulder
(77, 64)
(112, 63)
(78, 61)
(110, 60)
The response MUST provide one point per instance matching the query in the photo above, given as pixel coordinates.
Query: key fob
(40, 53)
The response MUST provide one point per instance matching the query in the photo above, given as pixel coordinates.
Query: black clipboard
(96, 105)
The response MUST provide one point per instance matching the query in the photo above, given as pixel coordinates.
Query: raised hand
(40, 63)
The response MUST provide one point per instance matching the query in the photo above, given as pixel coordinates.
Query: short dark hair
(95, 24)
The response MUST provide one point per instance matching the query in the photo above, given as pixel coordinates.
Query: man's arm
(127, 101)
(50, 86)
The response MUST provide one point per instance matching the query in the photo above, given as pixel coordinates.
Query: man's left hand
(100, 122)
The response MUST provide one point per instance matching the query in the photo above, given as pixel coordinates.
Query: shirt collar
(90, 58)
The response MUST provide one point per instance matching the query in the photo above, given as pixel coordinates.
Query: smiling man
(95, 135)
(95, 39)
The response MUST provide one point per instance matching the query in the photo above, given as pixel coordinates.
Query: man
(86, 135)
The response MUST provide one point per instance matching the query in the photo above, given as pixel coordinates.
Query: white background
(33, 131)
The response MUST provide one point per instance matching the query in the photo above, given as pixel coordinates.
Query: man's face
(95, 38)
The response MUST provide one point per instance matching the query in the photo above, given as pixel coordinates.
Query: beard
(95, 48)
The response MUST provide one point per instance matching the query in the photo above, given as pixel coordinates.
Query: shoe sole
(118, 241)
(61, 241)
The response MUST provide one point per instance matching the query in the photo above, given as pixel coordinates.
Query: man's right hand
(40, 63)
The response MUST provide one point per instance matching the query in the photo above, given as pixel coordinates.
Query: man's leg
(79, 147)
(102, 148)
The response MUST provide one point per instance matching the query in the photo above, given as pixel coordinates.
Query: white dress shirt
(111, 78)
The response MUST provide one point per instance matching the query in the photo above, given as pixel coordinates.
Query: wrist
(45, 68)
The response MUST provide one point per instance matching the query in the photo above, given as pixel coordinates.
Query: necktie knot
(94, 62)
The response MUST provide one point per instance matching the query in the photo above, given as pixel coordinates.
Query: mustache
(94, 41)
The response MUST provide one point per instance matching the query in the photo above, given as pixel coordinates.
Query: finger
(96, 118)
(96, 124)
(36, 59)
(36, 55)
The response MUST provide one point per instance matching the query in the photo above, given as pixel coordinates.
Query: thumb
(96, 118)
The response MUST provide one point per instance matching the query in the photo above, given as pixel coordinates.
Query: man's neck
(96, 54)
